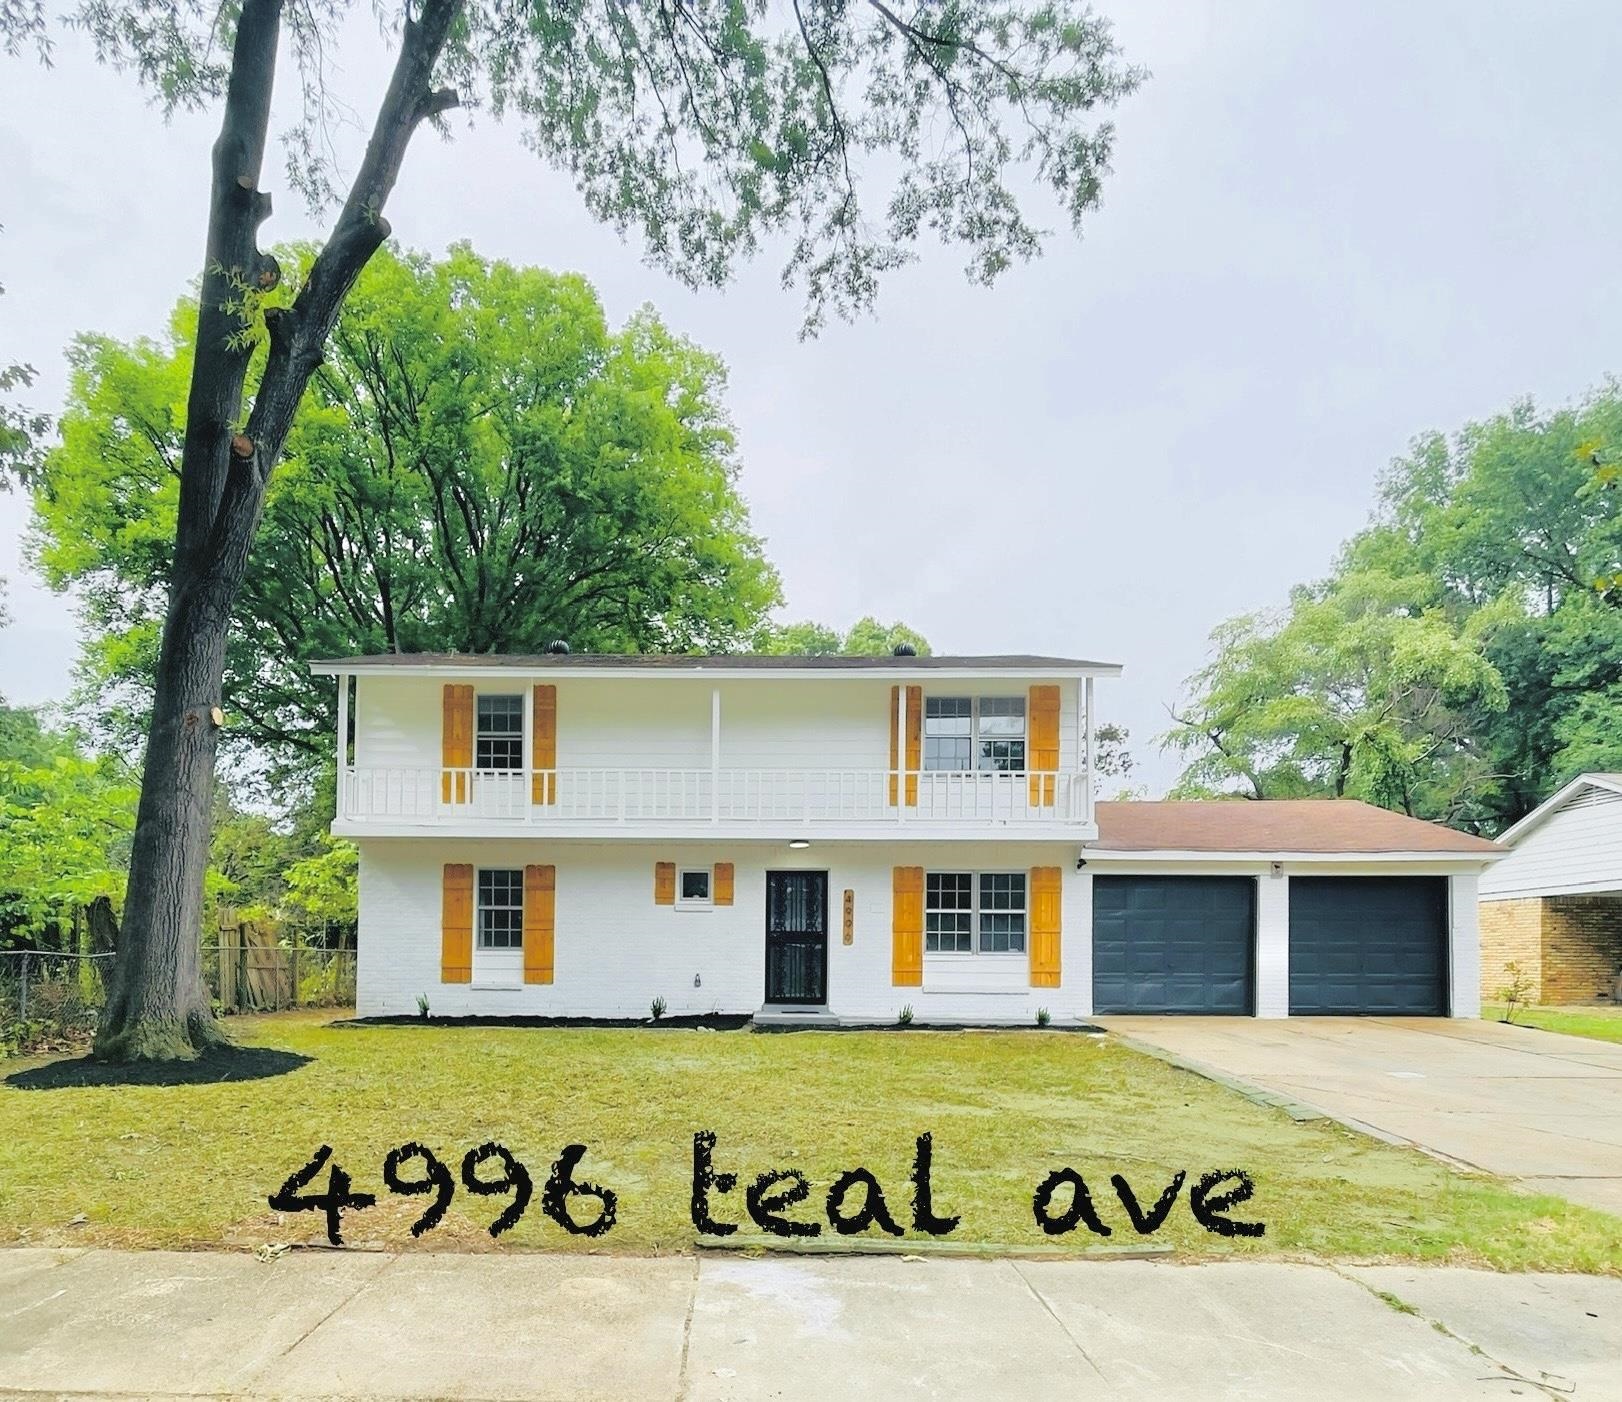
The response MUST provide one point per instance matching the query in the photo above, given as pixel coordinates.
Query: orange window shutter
(544, 745)
(540, 921)
(907, 927)
(1042, 738)
(456, 925)
(456, 744)
(915, 741)
(1046, 885)
(722, 884)
(664, 883)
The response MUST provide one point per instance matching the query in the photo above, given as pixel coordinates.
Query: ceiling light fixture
(799, 843)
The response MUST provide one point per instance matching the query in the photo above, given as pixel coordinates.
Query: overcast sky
(1330, 227)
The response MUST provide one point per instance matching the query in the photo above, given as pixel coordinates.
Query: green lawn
(1603, 1023)
(191, 1164)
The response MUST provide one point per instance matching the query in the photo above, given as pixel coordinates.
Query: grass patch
(1603, 1024)
(191, 1163)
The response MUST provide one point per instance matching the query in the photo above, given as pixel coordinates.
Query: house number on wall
(850, 916)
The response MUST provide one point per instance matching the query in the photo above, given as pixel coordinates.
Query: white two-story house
(836, 838)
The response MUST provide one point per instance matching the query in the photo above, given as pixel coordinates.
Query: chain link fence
(49, 1001)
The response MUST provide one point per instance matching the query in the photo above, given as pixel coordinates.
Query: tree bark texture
(157, 1007)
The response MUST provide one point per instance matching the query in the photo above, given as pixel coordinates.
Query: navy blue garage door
(1173, 944)
(1368, 944)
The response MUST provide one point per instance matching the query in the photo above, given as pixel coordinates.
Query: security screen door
(796, 937)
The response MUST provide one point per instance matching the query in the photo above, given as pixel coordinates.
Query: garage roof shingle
(1273, 825)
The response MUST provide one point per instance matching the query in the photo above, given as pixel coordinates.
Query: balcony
(583, 802)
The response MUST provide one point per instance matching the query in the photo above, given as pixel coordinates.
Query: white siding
(658, 723)
(615, 950)
(397, 722)
(1578, 848)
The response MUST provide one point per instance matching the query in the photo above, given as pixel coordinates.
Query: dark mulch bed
(211, 1068)
(715, 1022)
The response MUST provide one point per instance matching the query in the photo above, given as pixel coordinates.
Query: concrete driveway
(1515, 1101)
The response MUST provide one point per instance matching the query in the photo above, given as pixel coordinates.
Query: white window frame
(704, 902)
(479, 732)
(977, 910)
(977, 736)
(479, 909)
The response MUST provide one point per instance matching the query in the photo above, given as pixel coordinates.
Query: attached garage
(1282, 907)
(1174, 944)
(1368, 944)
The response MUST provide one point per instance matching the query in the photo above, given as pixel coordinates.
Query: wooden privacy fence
(251, 970)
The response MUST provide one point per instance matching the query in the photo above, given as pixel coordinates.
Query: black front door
(796, 937)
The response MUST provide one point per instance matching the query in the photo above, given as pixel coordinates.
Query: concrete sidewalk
(1519, 1102)
(717, 1327)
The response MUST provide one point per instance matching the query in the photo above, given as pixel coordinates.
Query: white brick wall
(616, 950)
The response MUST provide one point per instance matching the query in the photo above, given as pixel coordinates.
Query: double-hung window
(963, 733)
(974, 912)
(501, 908)
(499, 740)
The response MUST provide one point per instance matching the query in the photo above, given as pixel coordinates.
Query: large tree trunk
(157, 1007)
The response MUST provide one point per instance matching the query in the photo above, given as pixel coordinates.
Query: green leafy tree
(1490, 546)
(65, 826)
(867, 637)
(1352, 692)
(704, 126)
(480, 465)
(22, 430)
(324, 887)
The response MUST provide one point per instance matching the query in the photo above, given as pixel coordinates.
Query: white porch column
(343, 741)
(528, 761)
(1464, 944)
(1086, 726)
(901, 752)
(1272, 944)
(715, 754)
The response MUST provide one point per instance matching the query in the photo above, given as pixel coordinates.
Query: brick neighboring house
(1554, 904)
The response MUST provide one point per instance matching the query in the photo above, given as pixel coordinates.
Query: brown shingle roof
(678, 661)
(1273, 825)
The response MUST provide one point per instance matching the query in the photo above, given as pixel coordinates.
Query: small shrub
(1514, 994)
(422, 1005)
(905, 1017)
(657, 1008)
(1043, 1017)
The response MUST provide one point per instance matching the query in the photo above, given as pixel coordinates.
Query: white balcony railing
(702, 795)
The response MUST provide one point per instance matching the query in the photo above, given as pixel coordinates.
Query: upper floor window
(501, 908)
(965, 732)
(965, 912)
(499, 739)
